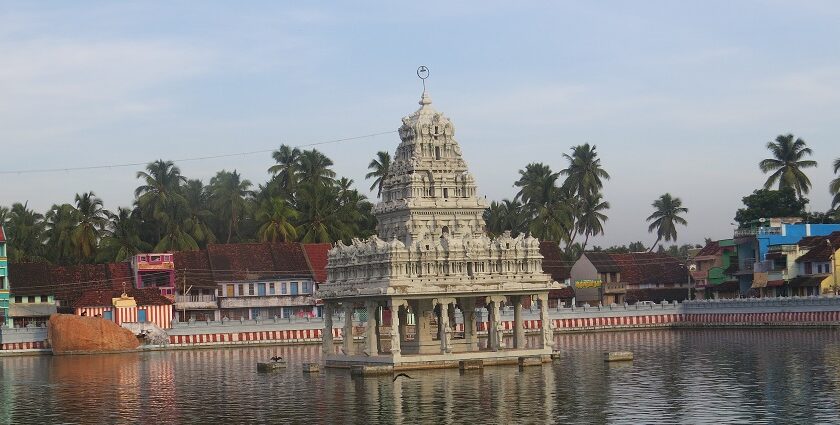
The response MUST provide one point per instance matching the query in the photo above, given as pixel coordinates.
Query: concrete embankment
(766, 312)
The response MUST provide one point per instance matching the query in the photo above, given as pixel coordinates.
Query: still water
(679, 376)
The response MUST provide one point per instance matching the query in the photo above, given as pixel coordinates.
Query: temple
(431, 262)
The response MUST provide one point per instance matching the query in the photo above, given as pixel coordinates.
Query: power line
(197, 158)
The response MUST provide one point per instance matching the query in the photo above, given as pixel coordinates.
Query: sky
(678, 97)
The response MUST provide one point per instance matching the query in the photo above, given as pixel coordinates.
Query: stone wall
(28, 338)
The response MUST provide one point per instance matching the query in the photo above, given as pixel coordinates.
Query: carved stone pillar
(348, 328)
(327, 334)
(547, 323)
(444, 326)
(371, 342)
(494, 331)
(470, 337)
(397, 325)
(518, 325)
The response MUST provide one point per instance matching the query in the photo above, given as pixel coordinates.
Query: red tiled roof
(603, 262)
(566, 293)
(316, 253)
(251, 261)
(819, 250)
(66, 283)
(2, 234)
(103, 297)
(192, 268)
(711, 248)
(553, 262)
(649, 268)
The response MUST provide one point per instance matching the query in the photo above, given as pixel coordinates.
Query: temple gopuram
(431, 262)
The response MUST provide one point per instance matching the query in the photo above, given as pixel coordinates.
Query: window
(445, 192)
(241, 290)
(271, 288)
(45, 299)
(18, 300)
(31, 300)
(283, 288)
(305, 287)
(250, 289)
(437, 152)
(294, 288)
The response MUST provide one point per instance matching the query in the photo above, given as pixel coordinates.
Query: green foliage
(765, 203)
(665, 218)
(787, 164)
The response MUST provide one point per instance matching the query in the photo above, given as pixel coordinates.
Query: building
(712, 271)
(155, 271)
(559, 269)
(606, 278)
(816, 270)
(432, 259)
(133, 305)
(756, 240)
(4, 280)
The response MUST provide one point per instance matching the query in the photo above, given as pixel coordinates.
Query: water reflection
(679, 376)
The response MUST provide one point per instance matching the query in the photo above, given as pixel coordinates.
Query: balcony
(615, 288)
(266, 301)
(745, 267)
(195, 302)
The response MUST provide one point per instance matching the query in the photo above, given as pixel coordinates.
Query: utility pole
(833, 265)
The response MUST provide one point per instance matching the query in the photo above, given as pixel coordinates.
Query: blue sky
(679, 97)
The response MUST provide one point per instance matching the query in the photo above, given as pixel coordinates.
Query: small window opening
(437, 152)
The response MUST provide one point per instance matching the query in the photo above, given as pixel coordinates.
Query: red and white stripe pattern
(160, 315)
(29, 345)
(290, 336)
(770, 318)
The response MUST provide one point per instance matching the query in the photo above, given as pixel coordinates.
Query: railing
(195, 299)
(613, 287)
(266, 301)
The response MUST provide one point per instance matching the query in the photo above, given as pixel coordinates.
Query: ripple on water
(679, 376)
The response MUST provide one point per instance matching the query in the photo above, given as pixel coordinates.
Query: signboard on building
(588, 283)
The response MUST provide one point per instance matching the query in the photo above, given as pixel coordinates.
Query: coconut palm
(506, 215)
(665, 218)
(584, 172)
(537, 185)
(592, 217)
(787, 164)
(275, 217)
(4, 215)
(122, 238)
(200, 216)
(322, 217)
(379, 167)
(834, 186)
(161, 194)
(229, 195)
(315, 168)
(25, 234)
(59, 223)
(92, 220)
(287, 168)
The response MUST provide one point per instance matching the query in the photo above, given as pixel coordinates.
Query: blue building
(754, 242)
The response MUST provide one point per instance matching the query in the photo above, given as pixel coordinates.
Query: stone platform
(439, 361)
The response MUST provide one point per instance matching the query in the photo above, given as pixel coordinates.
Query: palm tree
(275, 218)
(59, 223)
(287, 168)
(200, 216)
(315, 168)
(380, 167)
(229, 195)
(506, 215)
(592, 217)
(537, 185)
(122, 238)
(584, 173)
(25, 233)
(4, 215)
(834, 186)
(92, 220)
(787, 163)
(160, 195)
(322, 217)
(665, 218)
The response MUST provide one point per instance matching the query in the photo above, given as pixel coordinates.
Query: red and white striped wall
(29, 345)
(291, 336)
(160, 315)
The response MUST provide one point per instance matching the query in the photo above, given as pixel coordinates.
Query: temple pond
(678, 376)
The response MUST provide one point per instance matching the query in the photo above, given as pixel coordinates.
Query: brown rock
(69, 333)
